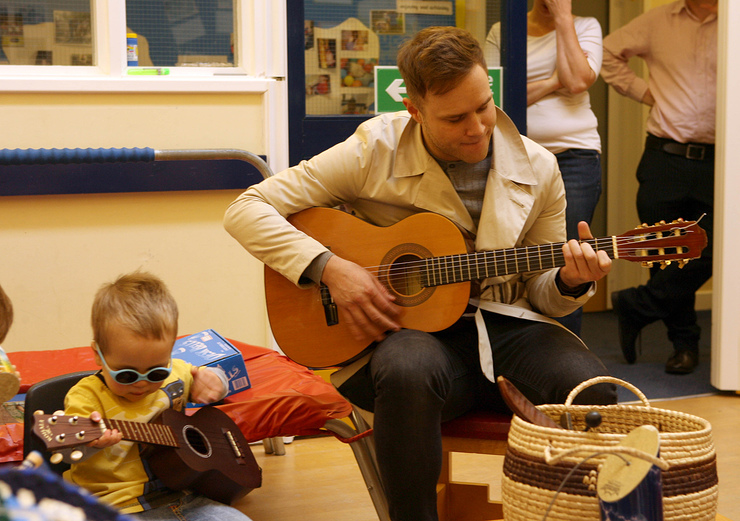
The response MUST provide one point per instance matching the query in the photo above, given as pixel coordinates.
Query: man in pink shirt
(678, 42)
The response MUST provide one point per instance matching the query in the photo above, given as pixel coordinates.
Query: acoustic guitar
(205, 452)
(424, 261)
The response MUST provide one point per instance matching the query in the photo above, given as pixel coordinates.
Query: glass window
(346, 39)
(46, 32)
(186, 33)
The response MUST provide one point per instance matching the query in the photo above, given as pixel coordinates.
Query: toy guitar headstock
(57, 432)
(678, 241)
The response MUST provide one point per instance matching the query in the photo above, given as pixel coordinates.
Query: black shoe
(683, 362)
(629, 329)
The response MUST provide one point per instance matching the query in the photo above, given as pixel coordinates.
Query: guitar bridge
(331, 315)
(237, 450)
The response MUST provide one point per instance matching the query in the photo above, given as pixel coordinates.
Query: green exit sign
(390, 89)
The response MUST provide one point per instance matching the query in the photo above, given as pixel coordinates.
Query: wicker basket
(551, 473)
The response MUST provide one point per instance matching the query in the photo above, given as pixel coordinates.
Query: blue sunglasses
(129, 376)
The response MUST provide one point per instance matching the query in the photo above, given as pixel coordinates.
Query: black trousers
(673, 186)
(417, 380)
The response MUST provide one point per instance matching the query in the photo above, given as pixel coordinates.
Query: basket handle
(605, 379)
(551, 459)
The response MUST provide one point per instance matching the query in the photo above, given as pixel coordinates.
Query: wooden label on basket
(629, 486)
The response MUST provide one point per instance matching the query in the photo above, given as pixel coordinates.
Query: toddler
(134, 321)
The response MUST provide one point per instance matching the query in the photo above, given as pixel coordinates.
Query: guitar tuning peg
(662, 222)
(665, 264)
(56, 458)
(647, 264)
(682, 263)
(76, 455)
(38, 412)
(59, 413)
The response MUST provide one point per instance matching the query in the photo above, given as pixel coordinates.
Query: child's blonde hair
(139, 302)
(6, 314)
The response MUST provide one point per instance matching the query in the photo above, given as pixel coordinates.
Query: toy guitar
(205, 452)
(424, 262)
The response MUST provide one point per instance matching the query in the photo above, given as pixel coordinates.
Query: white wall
(57, 250)
(726, 299)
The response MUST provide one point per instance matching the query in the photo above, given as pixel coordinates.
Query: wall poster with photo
(354, 40)
(387, 22)
(327, 49)
(357, 72)
(71, 27)
(356, 103)
(318, 84)
(308, 33)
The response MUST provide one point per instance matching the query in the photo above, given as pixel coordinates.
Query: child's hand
(109, 437)
(207, 386)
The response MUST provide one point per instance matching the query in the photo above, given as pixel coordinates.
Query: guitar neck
(151, 433)
(465, 267)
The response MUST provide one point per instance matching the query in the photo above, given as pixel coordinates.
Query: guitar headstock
(59, 432)
(678, 241)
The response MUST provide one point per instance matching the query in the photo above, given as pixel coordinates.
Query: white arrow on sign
(395, 90)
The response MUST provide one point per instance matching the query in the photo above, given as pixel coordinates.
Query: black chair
(47, 396)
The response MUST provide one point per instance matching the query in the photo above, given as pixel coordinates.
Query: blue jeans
(192, 507)
(417, 380)
(581, 172)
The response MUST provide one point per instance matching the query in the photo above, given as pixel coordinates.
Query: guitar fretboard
(464, 267)
(153, 433)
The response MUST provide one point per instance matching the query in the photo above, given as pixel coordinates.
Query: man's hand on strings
(364, 303)
(582, 263)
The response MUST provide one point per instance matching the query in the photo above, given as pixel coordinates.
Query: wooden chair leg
(466, 501)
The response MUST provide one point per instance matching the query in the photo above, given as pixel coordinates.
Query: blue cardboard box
(210, 349)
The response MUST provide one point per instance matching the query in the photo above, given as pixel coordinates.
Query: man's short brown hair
(6, 314)
(436, 59)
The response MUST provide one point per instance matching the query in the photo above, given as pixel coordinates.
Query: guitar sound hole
(197, 441)
(406, 276)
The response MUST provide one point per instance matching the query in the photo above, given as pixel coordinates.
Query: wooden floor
(318, 480)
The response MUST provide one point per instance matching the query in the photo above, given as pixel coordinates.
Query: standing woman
(563, 61)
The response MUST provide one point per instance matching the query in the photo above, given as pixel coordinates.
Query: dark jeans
(672, 186)
(581, 172)
(416, 380)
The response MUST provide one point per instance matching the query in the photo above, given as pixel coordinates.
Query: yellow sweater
(117, 475)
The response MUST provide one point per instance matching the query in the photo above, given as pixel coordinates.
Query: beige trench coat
(383, 173)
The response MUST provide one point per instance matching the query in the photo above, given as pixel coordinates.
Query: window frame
(257, 22)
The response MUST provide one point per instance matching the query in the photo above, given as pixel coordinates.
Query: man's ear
(413, 109)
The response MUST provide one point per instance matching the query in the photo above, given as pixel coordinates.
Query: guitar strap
(485, 353)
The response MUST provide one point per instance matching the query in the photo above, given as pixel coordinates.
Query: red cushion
(35, 366)
(285, 399)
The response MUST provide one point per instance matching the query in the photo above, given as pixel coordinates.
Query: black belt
(695, 151)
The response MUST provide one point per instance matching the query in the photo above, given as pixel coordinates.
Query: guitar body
(298, 316)
(205, 452)
(204, 460)
(424, 262)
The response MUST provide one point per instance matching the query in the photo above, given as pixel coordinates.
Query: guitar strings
(481, 259)
(215, 436)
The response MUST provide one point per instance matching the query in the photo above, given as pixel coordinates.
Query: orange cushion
(285, 399)
(35, 366)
